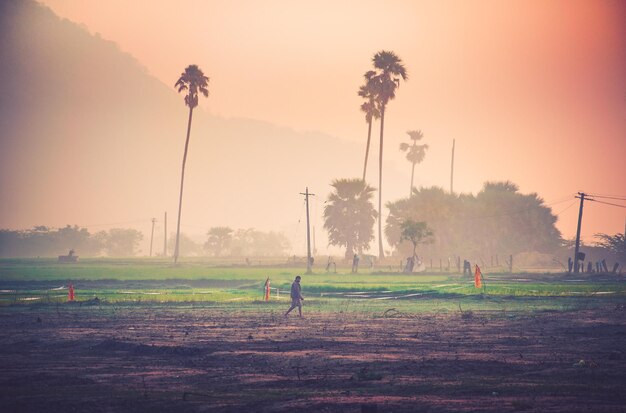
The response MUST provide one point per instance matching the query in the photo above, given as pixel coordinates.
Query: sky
(532, 91)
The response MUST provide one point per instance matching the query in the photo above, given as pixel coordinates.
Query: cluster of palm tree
(380, 88)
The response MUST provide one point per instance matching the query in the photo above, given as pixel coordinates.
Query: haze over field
(93, 129)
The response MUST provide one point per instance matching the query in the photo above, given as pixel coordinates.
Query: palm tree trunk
(367, 148)
(381, 252)
(412, 174)
(182, 181)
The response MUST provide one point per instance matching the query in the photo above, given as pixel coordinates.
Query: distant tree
(414, 231)
(269, 244)
(414, 153)
(614, 243)
(219, 240)
(122, 242)
(78, 239)
(98, 241)
(253, 243)
(188, 247)
(389, 69)
(11, 244)
(511, 222)
(349, 215)
(47, 242)
(241, 245)
(370, 108)
(497, 221)
(441, 210)
(192, 81)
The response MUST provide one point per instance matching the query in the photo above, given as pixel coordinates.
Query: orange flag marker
(267, 289)
(477, 277)
(70, 292)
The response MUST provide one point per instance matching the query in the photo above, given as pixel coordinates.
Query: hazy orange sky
(532, 91)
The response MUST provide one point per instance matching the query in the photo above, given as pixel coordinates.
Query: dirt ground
(165, 358)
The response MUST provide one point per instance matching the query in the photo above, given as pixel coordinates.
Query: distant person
(296, 297)
(410, 264)
(467, 268)
(355, 264)
(331, 261)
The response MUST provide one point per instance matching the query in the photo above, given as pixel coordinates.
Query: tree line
(42, 241)
(499, 220)
(227, 242)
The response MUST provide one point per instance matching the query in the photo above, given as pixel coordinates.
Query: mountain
(89, 137)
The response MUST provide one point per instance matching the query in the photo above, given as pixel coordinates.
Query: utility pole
(308, 231)
(452, 169)
(580, 219)
(165, 237)
(152, 235)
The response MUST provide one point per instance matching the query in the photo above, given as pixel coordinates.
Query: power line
(566, 208)
(609, 197)
(607, 203)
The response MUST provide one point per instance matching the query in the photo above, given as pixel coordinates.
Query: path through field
(151, 357)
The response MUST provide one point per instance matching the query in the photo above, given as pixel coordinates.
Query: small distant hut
(70, 257)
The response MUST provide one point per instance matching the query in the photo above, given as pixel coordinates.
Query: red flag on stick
(70, 292)
(267, 289)
(477, 277)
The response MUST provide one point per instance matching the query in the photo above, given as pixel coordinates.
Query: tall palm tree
(414, 153)
(389, 70)
(370, 108)
(192, 81)
(349, 215)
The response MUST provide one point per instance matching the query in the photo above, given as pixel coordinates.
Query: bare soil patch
(182, 358)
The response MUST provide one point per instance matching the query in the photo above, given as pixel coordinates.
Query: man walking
(296, 297)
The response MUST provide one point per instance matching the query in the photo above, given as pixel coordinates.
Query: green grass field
(142, 281)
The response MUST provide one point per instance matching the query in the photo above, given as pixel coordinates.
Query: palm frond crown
(193, 81)
(387, 78)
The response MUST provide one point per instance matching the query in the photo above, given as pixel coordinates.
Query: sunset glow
(533, 92)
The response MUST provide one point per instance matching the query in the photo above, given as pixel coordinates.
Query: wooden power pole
(152, 235)
(452, 169)
(165, 237)
(308, 231)
(580, 220)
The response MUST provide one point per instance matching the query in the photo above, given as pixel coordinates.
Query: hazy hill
(88, 136)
